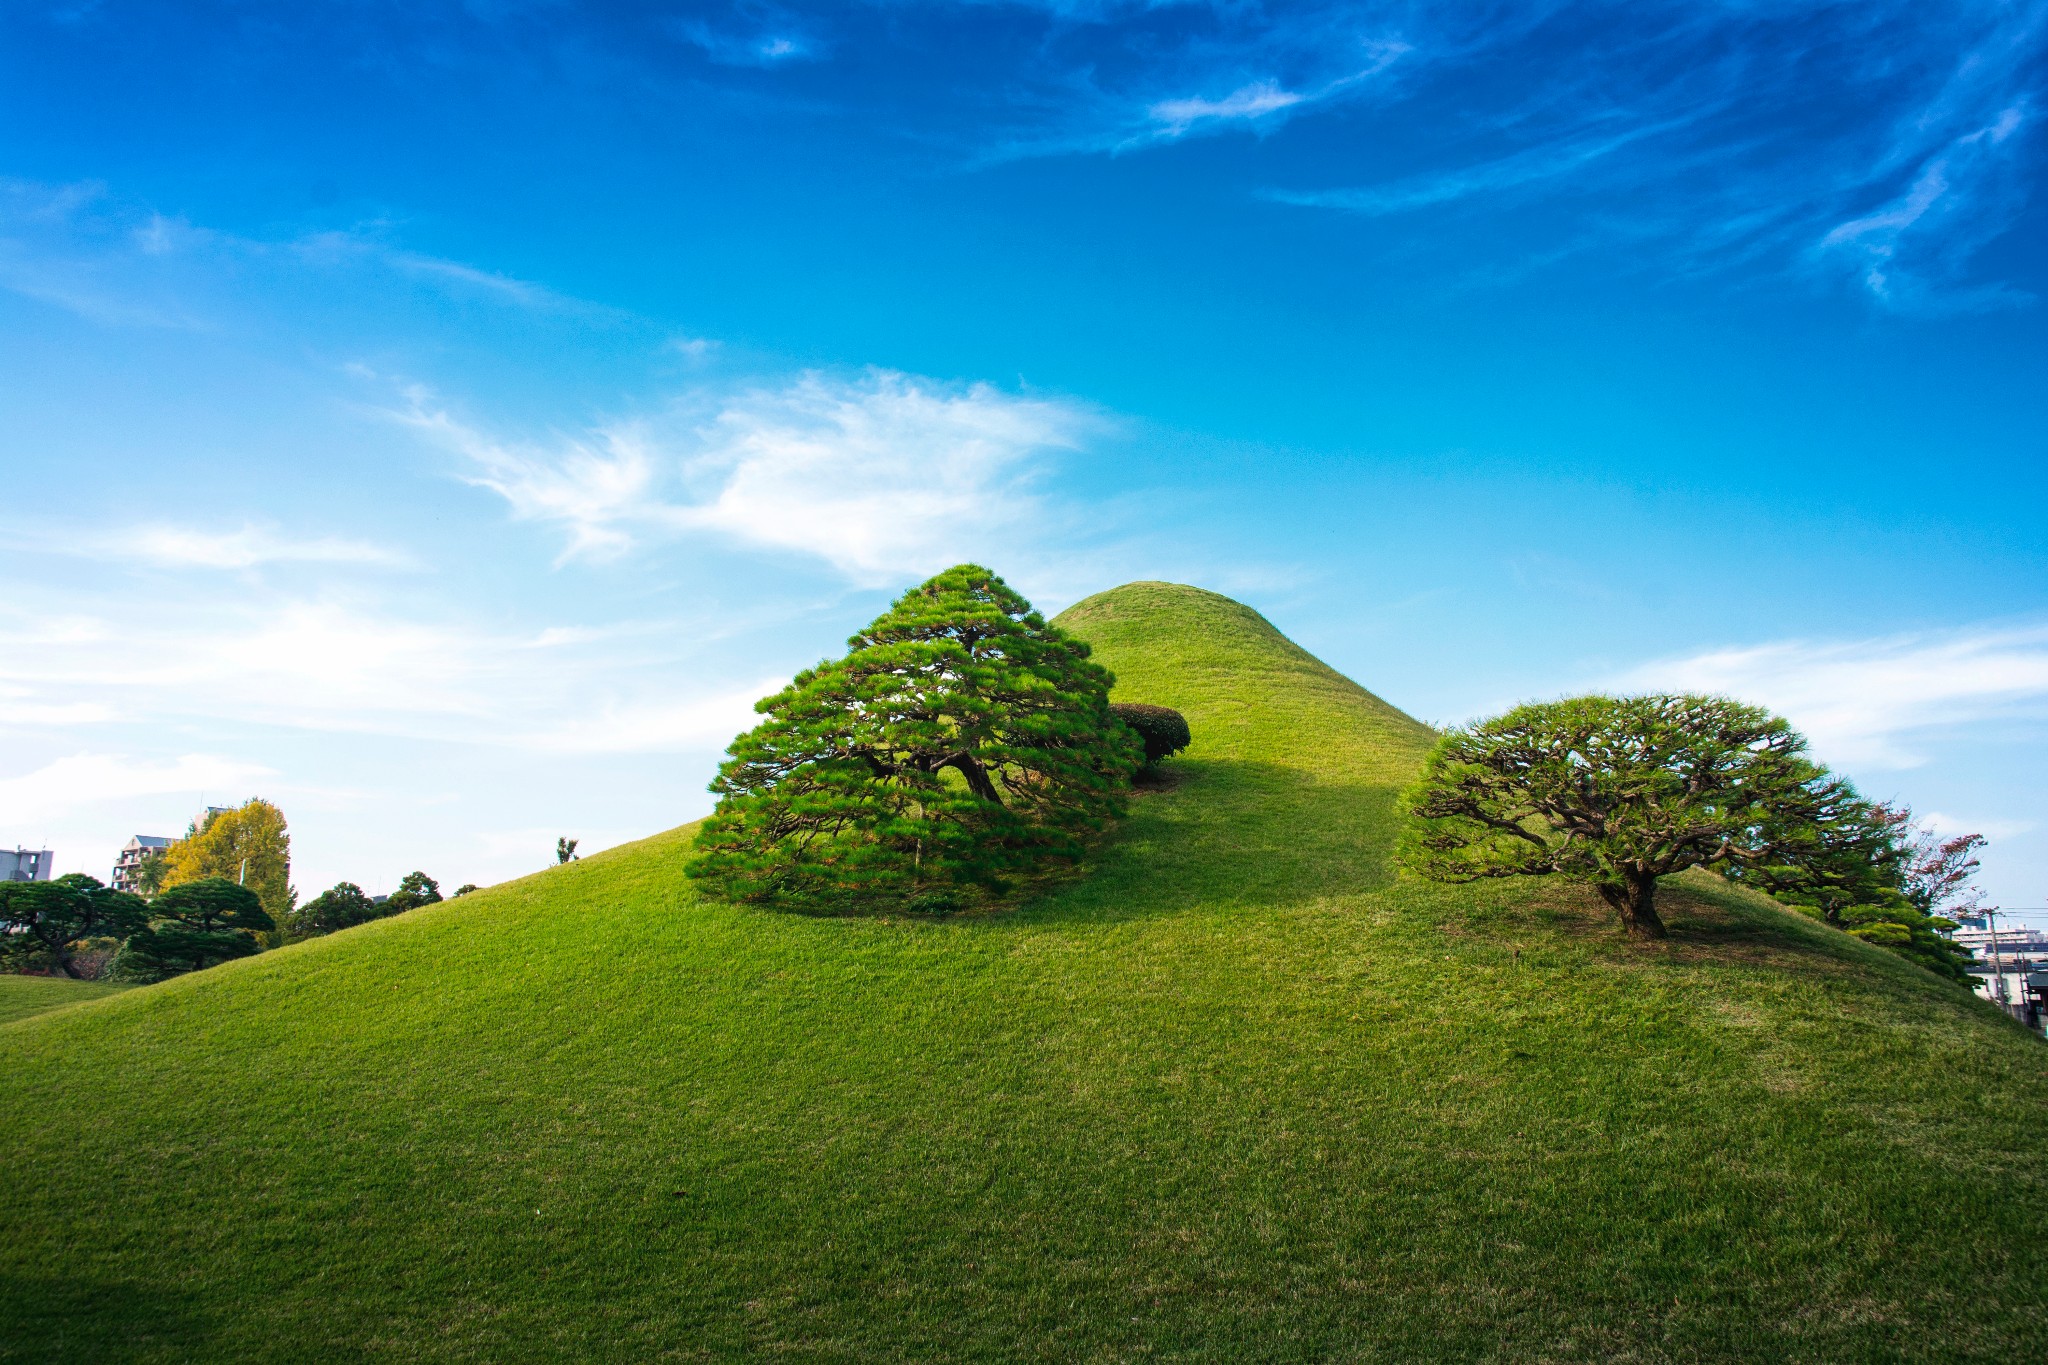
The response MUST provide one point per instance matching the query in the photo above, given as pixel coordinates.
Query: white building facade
(26, 864)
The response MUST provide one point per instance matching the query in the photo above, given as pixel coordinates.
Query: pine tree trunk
(977, 777)
(1635, 900)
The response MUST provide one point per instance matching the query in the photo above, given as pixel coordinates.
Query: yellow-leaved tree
(247, 844)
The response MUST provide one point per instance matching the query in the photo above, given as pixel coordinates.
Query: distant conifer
(341, 906)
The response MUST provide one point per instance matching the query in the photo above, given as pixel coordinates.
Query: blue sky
(445, 419)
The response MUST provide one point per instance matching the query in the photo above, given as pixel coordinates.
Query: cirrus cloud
(1866, 701)
(880, 475)
(90, 779)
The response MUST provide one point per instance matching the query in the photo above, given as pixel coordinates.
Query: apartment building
(129, 860)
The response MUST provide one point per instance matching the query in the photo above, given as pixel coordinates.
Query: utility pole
(1997, 957)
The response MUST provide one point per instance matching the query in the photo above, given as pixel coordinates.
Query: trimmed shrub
(1163, 729)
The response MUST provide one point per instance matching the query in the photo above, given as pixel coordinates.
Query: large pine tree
(961, 743)
(193, 926)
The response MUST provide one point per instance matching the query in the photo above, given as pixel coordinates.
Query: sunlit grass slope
(1238, 1094)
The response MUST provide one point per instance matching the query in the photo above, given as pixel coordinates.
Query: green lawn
(22, 996)
(1238, 1094)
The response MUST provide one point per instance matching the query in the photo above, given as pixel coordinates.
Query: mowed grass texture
(1236, 1094)
(22, 996)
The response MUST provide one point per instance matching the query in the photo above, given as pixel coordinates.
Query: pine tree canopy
(1617, 792)
(47, 922)
(961, 743)
(414, 890)
(193, 926)
(341, 906)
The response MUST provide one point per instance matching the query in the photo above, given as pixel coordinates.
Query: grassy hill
(22, 996)
(1238, 1094)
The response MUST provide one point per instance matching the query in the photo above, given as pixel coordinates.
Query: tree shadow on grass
(1228, 832)
(1201, 832)
(97, 1322)
(1711, 923)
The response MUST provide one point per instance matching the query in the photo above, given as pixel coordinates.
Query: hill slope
(1237, 1094)
(22, 996)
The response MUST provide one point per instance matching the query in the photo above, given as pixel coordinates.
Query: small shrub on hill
(1162, 730)
(1863, 868)
(961, 743)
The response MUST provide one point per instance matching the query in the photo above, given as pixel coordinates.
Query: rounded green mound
(1238, 1093)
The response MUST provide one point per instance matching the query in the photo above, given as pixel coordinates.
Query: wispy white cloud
(1532, 166)
(1238, 68)
(73, 247)
(705, 722)
(328, 665)
(1247, 103)
(1994, 829)
(1867, 701)
(20, 708)
(1883, 143)
(368, 246)
(693, 348)
(600, 490)
(248, 548)
(122, 263)
(881, 475)
(1903, 252)
(90, 779)
(1259, 103)
(774, 44)
(487, 281)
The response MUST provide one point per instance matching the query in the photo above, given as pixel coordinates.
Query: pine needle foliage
(1855, 865)
(193, 926)
(962, 743)
(47, 924)
(1616, 792)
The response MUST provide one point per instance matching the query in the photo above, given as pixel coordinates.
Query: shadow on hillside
(1732, 925)
(1709, 922)
(1231, 832)
(105, 1322)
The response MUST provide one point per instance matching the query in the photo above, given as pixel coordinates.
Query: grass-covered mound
(22, 996)
(1236, 1095)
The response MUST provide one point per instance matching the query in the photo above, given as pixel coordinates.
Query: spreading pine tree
(193, 926)
(961, 743)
